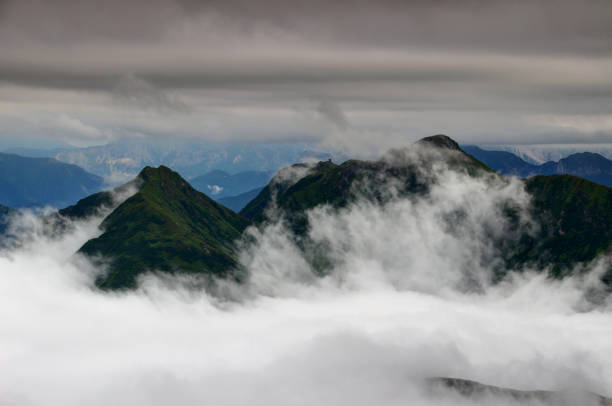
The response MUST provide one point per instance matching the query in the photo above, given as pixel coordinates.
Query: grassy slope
(167, 226)
(170, 226)
(576, 222)
(575, 215)
(337, 185)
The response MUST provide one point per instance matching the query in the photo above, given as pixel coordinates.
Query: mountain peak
(166, 226)
(440, 141)
(149, 172)
(163, 179)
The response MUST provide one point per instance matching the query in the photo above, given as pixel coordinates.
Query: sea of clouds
(407, 298)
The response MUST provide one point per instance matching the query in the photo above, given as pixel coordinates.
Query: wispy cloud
(390, 315)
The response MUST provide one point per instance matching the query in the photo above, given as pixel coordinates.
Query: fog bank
(394, 311)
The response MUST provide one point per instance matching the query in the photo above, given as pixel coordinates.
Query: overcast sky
(356, 75)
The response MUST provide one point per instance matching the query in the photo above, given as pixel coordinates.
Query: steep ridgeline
(573, 215)
(587, 165)
(31, 182)
(96, 205)
(166, 226)
(337, 185)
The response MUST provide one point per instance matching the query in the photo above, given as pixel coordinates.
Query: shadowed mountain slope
(575, 219)
(5, 212)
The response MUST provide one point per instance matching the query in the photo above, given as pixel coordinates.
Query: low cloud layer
(393, 312)
(486, 72)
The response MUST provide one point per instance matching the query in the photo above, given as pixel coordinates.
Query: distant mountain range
(238, 202)
(539, 154)
(31, 182)
(169, 226)
(220, 184)
(587, 165)
(120, 161)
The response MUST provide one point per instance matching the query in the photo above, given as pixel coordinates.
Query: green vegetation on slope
(575, 219)
(337, 185)
(91, 205)
(167, 226)
(406, 172)
(573, 216)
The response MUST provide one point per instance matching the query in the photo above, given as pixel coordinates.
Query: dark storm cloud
(539, 57)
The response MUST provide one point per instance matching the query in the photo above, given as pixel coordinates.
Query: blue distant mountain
(587, 165)
(237, 203)
(121, 161)
(220, 184)
(34, 182)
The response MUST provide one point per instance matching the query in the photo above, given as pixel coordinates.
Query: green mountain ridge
(167, 226)
(338, 185)
(573, 215)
